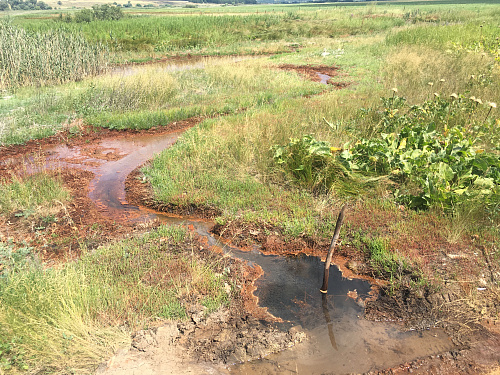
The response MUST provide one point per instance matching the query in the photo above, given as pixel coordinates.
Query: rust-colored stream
(340, 340)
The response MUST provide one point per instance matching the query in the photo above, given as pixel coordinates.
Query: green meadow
(410, 135)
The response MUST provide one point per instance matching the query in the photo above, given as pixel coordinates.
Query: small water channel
(340, 340)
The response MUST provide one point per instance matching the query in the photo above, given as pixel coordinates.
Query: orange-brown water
(340, 340)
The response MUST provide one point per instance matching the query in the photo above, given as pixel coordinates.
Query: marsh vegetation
(410, 142)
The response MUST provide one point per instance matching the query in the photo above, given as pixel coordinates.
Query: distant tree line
(23, 5)
(225, 1)
(103, 12)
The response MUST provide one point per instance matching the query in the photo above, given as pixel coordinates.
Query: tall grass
(445, 59)
(154, 96)
(147, 96)
(419, 71)
(226, 161)
(68, 319)
(445, 36)
(49, 57)
(31, 194)
(155, 34)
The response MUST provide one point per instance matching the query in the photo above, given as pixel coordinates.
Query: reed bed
(48, 57)
(156, 34)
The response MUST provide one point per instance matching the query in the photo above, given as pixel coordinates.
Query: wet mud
(324, 74)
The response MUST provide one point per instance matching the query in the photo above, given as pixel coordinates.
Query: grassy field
(141, 98)
(410, 142)
(244, 29)
(86, 310)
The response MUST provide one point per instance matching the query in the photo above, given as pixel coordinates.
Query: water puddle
(323, 78)
(340, 340)
(358, 346)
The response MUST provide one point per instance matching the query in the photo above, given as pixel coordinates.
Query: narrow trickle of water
(340, 341)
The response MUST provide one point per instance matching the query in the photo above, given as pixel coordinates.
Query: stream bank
(104, 162)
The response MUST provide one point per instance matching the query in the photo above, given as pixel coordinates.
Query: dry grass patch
(419, 71)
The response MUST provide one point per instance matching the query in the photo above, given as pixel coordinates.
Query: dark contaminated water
(340, 340)
(290, 286)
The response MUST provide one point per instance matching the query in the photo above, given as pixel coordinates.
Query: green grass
(385, 262)
(72, 317)
(145, 97)
(415, 55)
(249, 29)
(463, 34)
(169, 34)
(219, 162)
(37, 194)
(228, 163)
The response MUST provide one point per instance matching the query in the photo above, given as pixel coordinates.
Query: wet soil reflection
(360, 346)
(328, 321)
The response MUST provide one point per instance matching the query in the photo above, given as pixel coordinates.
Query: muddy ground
(245, 331)
(242, 333)
(320, 73)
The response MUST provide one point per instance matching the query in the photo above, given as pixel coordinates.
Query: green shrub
(434, 149)
(310, 162)
(104, 12)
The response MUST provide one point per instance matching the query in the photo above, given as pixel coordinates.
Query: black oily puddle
(290, 287)
(339, 339)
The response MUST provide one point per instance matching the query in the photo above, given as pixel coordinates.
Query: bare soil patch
(313, 73)
(77, 223)
(207, 343)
